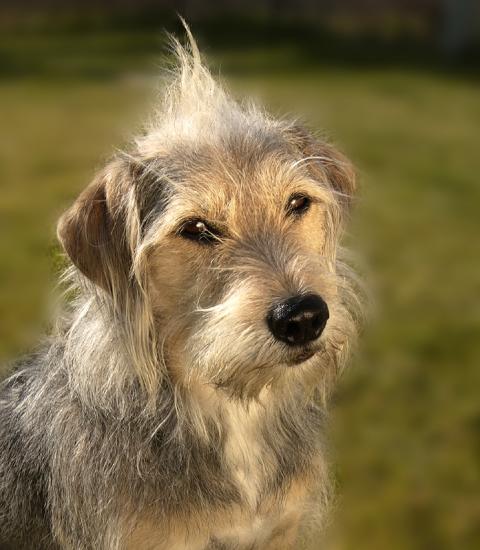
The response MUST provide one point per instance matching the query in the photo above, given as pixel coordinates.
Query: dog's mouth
(301, 357)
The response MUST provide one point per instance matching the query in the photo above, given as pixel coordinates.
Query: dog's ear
(325, 162)
(93, 230)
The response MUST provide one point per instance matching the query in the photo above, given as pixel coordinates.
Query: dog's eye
(298, 204)
(198, 230)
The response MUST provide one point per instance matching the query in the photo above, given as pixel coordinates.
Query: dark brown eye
(298, 204)
(200, 231)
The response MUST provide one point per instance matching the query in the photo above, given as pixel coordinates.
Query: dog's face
(231, 246)
(242, 269)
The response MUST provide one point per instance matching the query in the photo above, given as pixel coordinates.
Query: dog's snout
(298, 320)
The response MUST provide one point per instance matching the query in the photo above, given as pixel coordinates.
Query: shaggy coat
(162, 414)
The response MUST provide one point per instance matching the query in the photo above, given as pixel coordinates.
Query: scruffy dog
(180, 404)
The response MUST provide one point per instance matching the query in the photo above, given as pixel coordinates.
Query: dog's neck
(264, 440)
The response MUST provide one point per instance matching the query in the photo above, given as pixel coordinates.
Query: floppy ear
(325, 162)
(99, 233)
(93, 230)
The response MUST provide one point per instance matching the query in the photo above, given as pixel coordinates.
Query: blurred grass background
(400, 94)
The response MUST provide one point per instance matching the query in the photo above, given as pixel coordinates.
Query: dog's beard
(243, 359)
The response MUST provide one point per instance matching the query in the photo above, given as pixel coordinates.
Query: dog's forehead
(238, 173)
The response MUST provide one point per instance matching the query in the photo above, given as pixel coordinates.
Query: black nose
(298, 320)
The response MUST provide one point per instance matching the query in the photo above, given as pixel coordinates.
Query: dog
(181, 401)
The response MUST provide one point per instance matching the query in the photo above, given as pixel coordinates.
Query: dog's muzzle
(298, 320)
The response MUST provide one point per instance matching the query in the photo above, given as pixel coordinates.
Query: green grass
(406, 420)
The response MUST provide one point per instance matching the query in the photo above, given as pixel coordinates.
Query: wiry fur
(162, 414)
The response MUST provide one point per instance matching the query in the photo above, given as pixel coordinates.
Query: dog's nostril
(298, 320)
(292, 331)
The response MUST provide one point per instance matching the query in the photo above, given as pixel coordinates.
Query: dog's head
(216, 241)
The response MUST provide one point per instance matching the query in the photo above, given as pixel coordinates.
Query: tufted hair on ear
(326, 162)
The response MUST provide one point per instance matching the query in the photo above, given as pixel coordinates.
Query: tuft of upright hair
(195, 107)
(163, 411)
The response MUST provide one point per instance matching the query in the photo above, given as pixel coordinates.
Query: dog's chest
(255, 471)
(228, 529)
(270, 498)
(245, 453)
